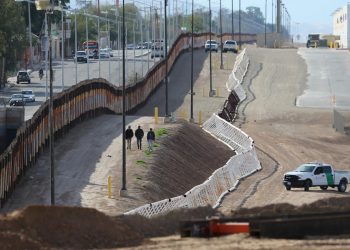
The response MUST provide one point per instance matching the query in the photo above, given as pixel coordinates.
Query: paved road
(328, 76)
(110, 69)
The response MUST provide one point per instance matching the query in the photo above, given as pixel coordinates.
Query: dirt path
(288, 134)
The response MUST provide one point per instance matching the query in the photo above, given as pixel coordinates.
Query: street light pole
(221, 45)
(51, 126)
(30, 35)
(233, 25)
(166, 56)
(210, 67)
(239, 26)
(123, 191)
(191, 117)
(62, 48)
(265, 21)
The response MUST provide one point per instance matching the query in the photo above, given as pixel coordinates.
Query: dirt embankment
(185, 158)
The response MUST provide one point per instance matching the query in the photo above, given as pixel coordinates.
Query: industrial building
(341, 25)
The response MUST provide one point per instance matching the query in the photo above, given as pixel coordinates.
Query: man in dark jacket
(139, 135)
(150, 139)
(128, 136)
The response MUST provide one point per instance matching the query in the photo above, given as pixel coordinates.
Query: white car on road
(230, 45)
(316, 174)
(28, 95)
(211, 45)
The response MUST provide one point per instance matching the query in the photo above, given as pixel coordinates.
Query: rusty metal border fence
(83, 100)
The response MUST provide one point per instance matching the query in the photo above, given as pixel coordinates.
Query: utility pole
(210, 67)
(191, 117)
(166, 57)
(265, 22)
(239, 25)
(233, 25)
(123, 191)
(221, 45)
(30, 35)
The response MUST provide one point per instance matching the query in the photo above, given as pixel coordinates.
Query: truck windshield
(305, 168)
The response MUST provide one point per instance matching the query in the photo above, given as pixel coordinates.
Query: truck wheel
(342, 186)
(288, 188)
(307, 185)
(324, 187)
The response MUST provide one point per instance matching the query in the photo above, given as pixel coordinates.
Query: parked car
(230, 45)
(81, 56)
(104, 53)
(157, 44)
(211, 45)
(17, 100)
(157, 53)
(316, 174)
(28, 95)
(23, 76)
(110, 52)
(131, 46)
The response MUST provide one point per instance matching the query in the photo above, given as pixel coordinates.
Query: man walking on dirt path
(139, 135)
(128, 136)
(150, 139)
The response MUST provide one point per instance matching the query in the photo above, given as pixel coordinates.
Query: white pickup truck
(316, 174)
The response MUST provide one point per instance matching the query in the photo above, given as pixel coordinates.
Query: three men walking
(129, 134)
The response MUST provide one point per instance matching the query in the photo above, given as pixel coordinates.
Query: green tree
(255, 14)
(13, 35)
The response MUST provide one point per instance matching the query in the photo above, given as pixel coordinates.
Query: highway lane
(110, 69)
(328, 76)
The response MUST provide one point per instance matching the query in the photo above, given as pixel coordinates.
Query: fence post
(109, 187)
(156, 115)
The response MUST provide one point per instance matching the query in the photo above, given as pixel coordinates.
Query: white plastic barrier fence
(236, 77)
(222, 181)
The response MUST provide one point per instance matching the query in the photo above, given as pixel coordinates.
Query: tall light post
(166, 56)
(191, 117)
(210, 67)
(123, 191)
(221, 45)
(239, 26)
(232, 20)
(265, 22)
(30, 35)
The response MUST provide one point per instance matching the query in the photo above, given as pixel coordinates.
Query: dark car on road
(23, 76)
(17, 100)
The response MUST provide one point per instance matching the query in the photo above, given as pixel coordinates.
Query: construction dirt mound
(38, 227)
(331, 205)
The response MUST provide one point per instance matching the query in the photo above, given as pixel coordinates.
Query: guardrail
(84, 100)
(222, 181)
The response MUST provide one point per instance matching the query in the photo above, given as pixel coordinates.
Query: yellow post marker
(200, 117)
(109, 187)
(156, 115)
(218, 92)
(333, 100)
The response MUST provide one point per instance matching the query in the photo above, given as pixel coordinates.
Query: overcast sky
(308, 16)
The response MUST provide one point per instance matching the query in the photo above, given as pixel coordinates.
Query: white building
(341, 25)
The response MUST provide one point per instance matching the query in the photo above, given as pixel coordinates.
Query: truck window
(318, 170)
(327, 169)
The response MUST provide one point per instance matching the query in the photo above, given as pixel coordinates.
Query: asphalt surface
(328, 82)
(179, 85)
